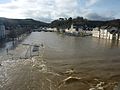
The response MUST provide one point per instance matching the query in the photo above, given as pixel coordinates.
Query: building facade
(105, 32)
(2, 31)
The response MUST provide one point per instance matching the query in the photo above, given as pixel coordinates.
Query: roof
(107, 27)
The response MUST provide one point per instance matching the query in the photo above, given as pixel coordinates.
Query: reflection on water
(73, 46)
(76, 46)
(114, 42)
(108, 43)
(2, 45)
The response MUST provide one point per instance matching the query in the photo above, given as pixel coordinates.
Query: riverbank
(9, 44)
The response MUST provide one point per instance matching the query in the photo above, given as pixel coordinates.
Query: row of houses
(77, 30)
(106, 32)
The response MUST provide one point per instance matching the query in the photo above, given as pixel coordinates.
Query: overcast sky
(48, 10)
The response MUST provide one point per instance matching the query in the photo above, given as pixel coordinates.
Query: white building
(105, 32)
(52, 29)
(71, 30)
(2, 31)
(78, 30)
(96, 32)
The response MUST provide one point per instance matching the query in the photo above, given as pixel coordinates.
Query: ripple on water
(117, 87)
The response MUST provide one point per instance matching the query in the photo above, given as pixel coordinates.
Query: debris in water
(111, 85)
(69, 80)
(71, 71)
(104, 86)
(99, 86)
(93, 84)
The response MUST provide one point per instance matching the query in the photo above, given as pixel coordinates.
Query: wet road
(64, 63)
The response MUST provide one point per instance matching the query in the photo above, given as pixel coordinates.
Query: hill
(65, 23)
(13, 23)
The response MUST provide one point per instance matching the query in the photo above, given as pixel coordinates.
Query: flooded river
(64, 63)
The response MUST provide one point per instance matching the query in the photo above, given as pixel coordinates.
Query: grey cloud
(47, 10)
(91, 2)
(38, 15)
(12, 7)
(95, 16)
(42, 9)
(43, 19)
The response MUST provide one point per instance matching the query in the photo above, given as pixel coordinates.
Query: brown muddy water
(64, 63)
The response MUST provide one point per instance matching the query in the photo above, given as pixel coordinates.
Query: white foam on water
(99, 86)
(53, 73)
(117, 87)
(39, 64)
(92, 89)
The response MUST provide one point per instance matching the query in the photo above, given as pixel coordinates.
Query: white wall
(95, 32)
(103, 33)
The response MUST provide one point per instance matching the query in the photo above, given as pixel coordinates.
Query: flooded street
(64, 63)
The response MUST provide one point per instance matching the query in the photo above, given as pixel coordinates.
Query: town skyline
(49, 10)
